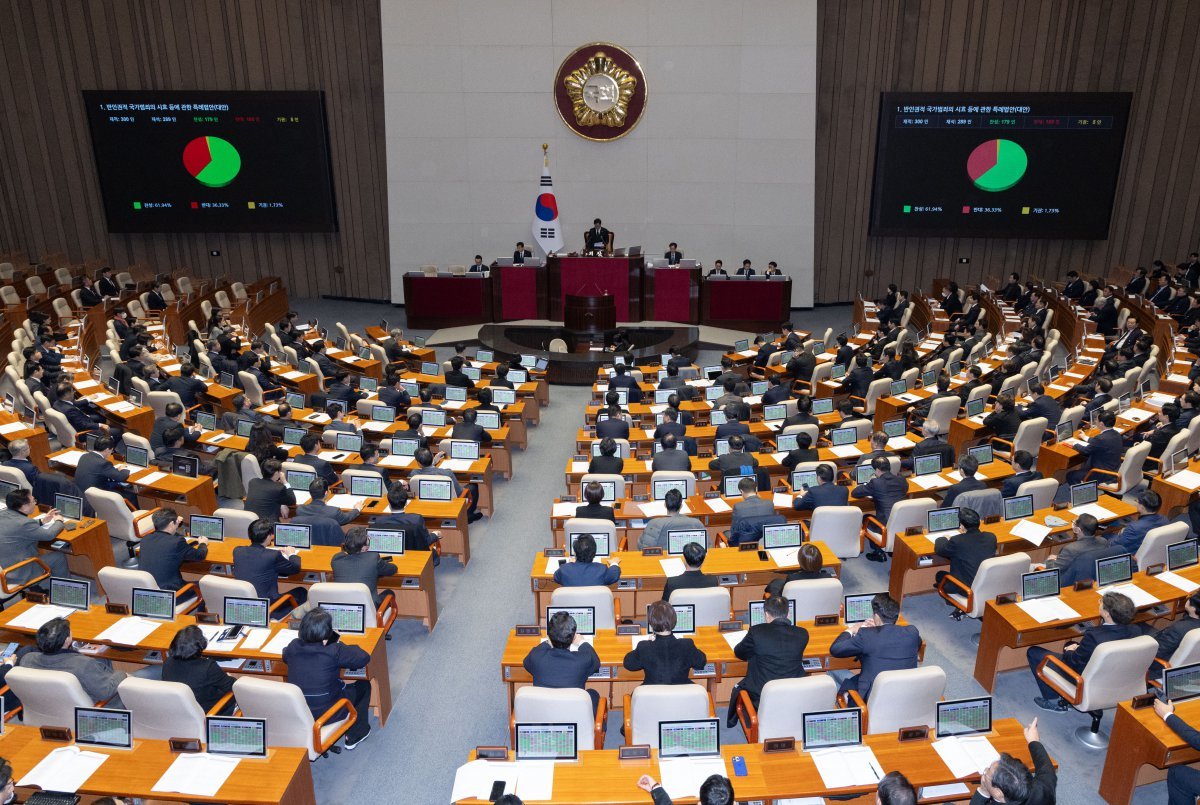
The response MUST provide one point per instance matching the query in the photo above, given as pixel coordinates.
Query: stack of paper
(673, 566)
(13, 427)
(846, 451)
(1187, 479)
(1045, 610)
(931, 481)
(718, 505)
(38, 614)
(402, 462)
(1137, 595)
(129, 631)
(1137, 415)
(1094, 509)
(683, 776)
(270, 409)
(653, 508)
(1175, 580)
(456, 464)
(565, 509)
(151, 478)
(374, 426)
(121, 407)
(552, 564)
(782, 500)
(968, 755)
(474, 780)
(293, 375)
(900, 443)
(302, 496)
(784, 557)
(280, 641)
(255, 639)
(1031, 531)
(69, 458)
(199, 774)
(847, 765)
(579, 466)
(733, 638)
(65, 769)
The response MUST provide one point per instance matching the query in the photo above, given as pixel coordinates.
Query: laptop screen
(585, 617)
(349, 442)
(386, 540)
(858, 607)
(1041, 584)
(893, 428)
(225, 379)
(1114, 570)
(437, 489)
(546, 742)
(676, 540)
(982, 453)
(898, 387)
(964, 716)
(158, 604)
(435, 419)
(293, 436)
(464, 449)
(758, 388)
(786, 442)
(837, 372)
(757, 615)
(975, 407)
(294, 398)
(927, 465)
(663, 486)
(822, 405)
(720, 446)
(245, 611)
(347, 618)
(929, 378)
(488, 420)
(299, 479)
(784, 535)
(405, 447)
(685, 618)
(456, 394)
(99, 727)
(384, 413)
(244, 426)
(717, 418)
(203, 525)
(831, 728)
(205, 420)
(803, 478)
(696, 738)
(1182, 554)
(293, 535)
(842, 436)
(1182, 682)
(603, 543)
(713, 392)
(518, 376)
(1063, 431)
(942, 520)
(243, 737)
(70, 593)
(366, 486)
(1083, 494)
(773, 413)
(864, 472)
(70, 506)
(137, 456)
(485, 355)
(729, 484)
(1017, 507)
(187, 466)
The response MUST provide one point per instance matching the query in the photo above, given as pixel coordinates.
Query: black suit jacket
(927, 447)
(597, 512)
(161, 554)
(323, 468)
(597, 239)
(666, 660)
(879, 648)
(264, 497)
(416, 536)
(612, 428)
(553, 667)
(262, 567)
(519, 257)
(673, 258)
(208, 681)
(688, 580)
(1013, 483)
(1172, 635)
(772, 650)
(88, 297)
(606, 465)
(627, 382)
(1103, 452)
(966, 552)
(971, 484)
(364, 567)
(1046, 406)
(1095, 637)
(94, 470)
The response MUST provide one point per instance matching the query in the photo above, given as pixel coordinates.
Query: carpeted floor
(447, 693)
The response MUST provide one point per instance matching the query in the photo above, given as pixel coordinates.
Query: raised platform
(585, 351)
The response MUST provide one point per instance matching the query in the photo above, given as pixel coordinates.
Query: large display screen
(212, 161)
(1021, 165)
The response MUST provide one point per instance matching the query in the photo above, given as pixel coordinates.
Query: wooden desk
(600, 778)
(1174, 495)
(39, 440)
(1141, 749)
(90, 547)
(183, 494)
(755, 304)
(283, 777)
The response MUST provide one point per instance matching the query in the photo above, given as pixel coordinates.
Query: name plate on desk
(208, 617)
(628, 584)
(491, 752)
(116, 609)
(658, 551)
(56, 734)
(747, 546)
(1084, 584)
(773, 746)
(605, 672)
(1006, 598)
(628, 629)
(730, 626)
(183, 745)
(708, 670)
(826, 620)
(712, 494)
(913, 530)
(554, 552)
(568, 499)
(917, 733)
(636, 752)
(529, 631)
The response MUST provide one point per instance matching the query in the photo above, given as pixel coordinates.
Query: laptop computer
(858, 607)
(942, 522)
(661, 487)
(843, 436)
(1114, 570)
(387, 541)
(348, 442)
(822, 405)
(1181, 683)
(826, 729)
(584, 617)
(678, 538)
(464, 450)
(730, 483)
(207, 526)
(293, 535)
(1018, 507)
(982, 453)
(137, 456)
(685, 618)
(783, 535)
(153, 603)
(971, 716)
(69, 506)
(245, 611)
(70, 593)
(240, 737)
(699, 737)
(975, 407)
(1183, 554)
(435, 489)
(603, 543)
(347, 618)
(546, 741)
(110, 729)
(1039, 584)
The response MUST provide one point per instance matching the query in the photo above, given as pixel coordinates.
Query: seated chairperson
(593, 493)
(455, 375)
(825, 493)
(262, 564)
(469, 429)
(1007, 781)
(310, 445)
(664, 658)
(1086, 540)
(811, 566)
(747, 270)
(477, 267)
(749, 512)
(96, 471)
(692, 578)
(318, 507)
(185, 663)
(269, 497)
(394, 395)
(803, 453)
(1023, 472)
(18, 451)
(1104, 451)
(187, 385)
(772, 650)
(1132, 535)
(737, 461)
(673, 255)
(21, 533)
(772, 270)
(521, 254)
(654, 535)
(1116, 623)
(776, 391)
(1171, 635)
(172, 417)
(597, 238)
(337, 419)
(967, 467)
(621, 379)
(966, 551)
(1004, 419)
(932, 445)
(885, 490)
(718, 270)
(879, 643)
(315, 660)
(583, 571)
(54, 652)
(566, 661)
(608, 462)
(716, 790)
(671, 457)
(164, 551)
(858, 380)
(416, 536)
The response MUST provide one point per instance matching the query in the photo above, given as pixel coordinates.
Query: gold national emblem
(600, 91)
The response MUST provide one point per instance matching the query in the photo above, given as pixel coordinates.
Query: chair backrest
(586, 525)
(814, 597)
(14, 476)
(251, 387)
(222, 300)
(558, 345)
(783, 703)
(215, 589)
(1178, 442)
(250, 468)
(429, 271)
(1193, 442)
(675, 475)
(159, 400)
(9, 295)
(534, 705)
(979, 393)
(840, 528)
(712, 603)
(161, 710)
(812, 430)
(118, 583)
(289, 721)
(907, 513)
(1188, 651)
(239, 291)
(1129, 474)
(134, 440)
(63, 432)
(985, 502)
(652, 704)
(618, 480)
(862, 427)
(599, 597)
(345, 593)
(941, 412)
(112, 507)
(823, 372)
(49, 698)
(1043, 492)
(1153, 550)
(1116, 672)
(904, 698)
(35, 285)
(877, 389)
(237, 521)
(996, 576)
(1029, 435)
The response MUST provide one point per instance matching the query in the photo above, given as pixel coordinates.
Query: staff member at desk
(772, 650)
(521, 254)
(879, 643)
(165, 550)
(593, 493)
(747, 270)
(583, 571)
(566, 661)
(673, 255)
(478, 267)
(665, 658)
(655, 532)
(718, 269)
(1008, 782)
(885, 490)
(1183, 782)
(597, 238)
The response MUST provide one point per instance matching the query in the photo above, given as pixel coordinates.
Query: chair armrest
(1163, 664)
(628, 715)
(322, 747)
(1067, 670)
(804, 532)
(748, 716)
(721, 540)
(870, 518)
(601, 724)
(8, 714)
(616, 609)
(512, 728)
(623, 544)
(386, 613)
(852, 698)
(197, 601)
(949, 600)
(1102, 472)
(712, 708)
(996, 439)
(862, 400)
(221, 702)
(286, 597)
(4, 571)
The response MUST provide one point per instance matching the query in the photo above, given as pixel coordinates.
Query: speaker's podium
(618, 278)
(589, 313)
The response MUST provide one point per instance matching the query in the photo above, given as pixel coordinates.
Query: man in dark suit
(932, 445)
(803, 453)
(469, 429)
(243, 409)
(1167, 429)
(584, 571)
(718, 270)
(1131, 335)
(593, 493)
(1104, 313)
(671, 457)
(263, 565)
(614, 426)
(416, 536)
(80, 418)
(943, 390)
(886, 489)
(801, 364)
(621, 379)
(966, 551)
(1139, 284)
(1116, 623)
(106, 284)
(747, 270)
(521, 254)
(1004, 419)
(187, 385)
(789, 339)
(597, 238)
(1163, 294)
(772, 270)
(764, 349)
(825, 493)
(670, 425)
(477, 267)
(1103, 452)
(967, 466)
(673, 255)
(1023, 471)
(1043, 405)
(737, 461)
(269, 497)
(1074, 287)
(310, 444)
(692, 578)
(456, 377)
(23, 531)
(18, 452)
(879, 644)
(394, 395)
(608, 462)
(1171, 635)
(326, 364)
(96, 471)
(858, 379)
(1100, 396)
(88, 296)
(772, 650)
(750, 512)
(1132, 535)
(671, 381)
(339, 388)
(172, 418)
(317, 506)
(162, 552)
(777, 391)
(358, 565)
(566, 661)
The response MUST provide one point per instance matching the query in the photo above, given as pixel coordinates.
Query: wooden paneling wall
(1146, 47)
(50, 50)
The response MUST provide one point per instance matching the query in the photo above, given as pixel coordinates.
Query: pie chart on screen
(211, 161)
(997, 165)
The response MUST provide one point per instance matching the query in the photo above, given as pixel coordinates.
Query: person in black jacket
(608, 462)
(268, 496)
(1008, 782)
(416, 536)
(1004, 419)
(772, 650)
(621, 379)
(693, 578)
(966, 551)
(95, 470)
(967, 466)
(456, 377)
(810, 567)
(1170, 636)
(163, 552)
(932, 445)
(716, 790)
(593, 493)
(858, 379)
(1116, 623)
(315, 660)
(566, 661)
(663, 657)
(1183, 782)
(880, 644)
(261, 564)
(825, 493)
(886, 489)
(186, 663)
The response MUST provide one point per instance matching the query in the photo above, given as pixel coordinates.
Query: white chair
(942, 412)
(375, 617)
(163, 710)
(558, 345)
(35, 285)
(1178, 442)
(996, 576)
(238, 290)
(575, 526)
(289, 721)
(902, 698)
(1028, 438)
(862, 428)
(222, 300)
(1116, 672)
(9, 295)
(251, 388)
(429, 271)
(905, 514)
(48, 698)
(812, 430)
(814, 597)
(712, 604)
(650, 705)
(15, 476)
(1043, 492)
(688, 478)
(237, 521)
(1074, 415)
(618, 482)
(1153, 550)
(1187, 653)
(215, 589)
(118, 584)
(1128, 476)
(250, 468)
(534, 705)
(782, 705)
(601, 599)
(124, 522)
(840, 528)
(878, 388)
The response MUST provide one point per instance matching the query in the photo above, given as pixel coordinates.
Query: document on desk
(129, 631)
(13, 427)
(69, 458)
(256, 638)
(733, 638)
(1057, 387)
(784, 557)
(1136, 594)
(345, 501)
(1176, 580)
(1094, 509)
(564, 509)
(400, 462)
(474, 780)
(198, 775)
(900, 443)
(65, 769)
(293, 375)
(1158, 399)
(782, 500)
(847, 765)
(151, 478)
(1187, 479)
(931, 481)
(1031, 531)
(456, 464)
(374, 426)
(38, 614)
(966, 755)
(683, 776)
(452, 405)
(718, 506)
(270, 409)
(846, 451)
(535, 780)
(653, 508)
(579, 466)
(280, 641)
(552, 564)
(673, 566)
(909, 398)
(1137, 415)
(121, 407)
(954, 475)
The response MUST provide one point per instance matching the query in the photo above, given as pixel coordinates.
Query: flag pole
(546, 155)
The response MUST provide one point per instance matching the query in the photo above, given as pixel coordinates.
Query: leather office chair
(48, 698)
(1043, 492)
(1153, 550)
(901, 698)
(812, 430)
(814, 597)
(163, 710)
(251, 388)
(1178, 442)
(575, 526)
(942, 412)
(215, 589)
(237, 522)
(35, 286)
(623, 449)
(159, 400)
(905, 514)
(374, 617)
(118, 584)
(984, 502)
(1187, 653)
(250, 468)
(238, 290)
(289, 721)
(713, 604)
(14, 476)
(534, 705)
(878, 388)
(1128, 476)
(675, 475)
(429, 271)
(222, 300)
(840, 528)
(124, 522)
(996, 576)
(651, 704)
(607, 608)
(782, 705)
(1028, 438)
